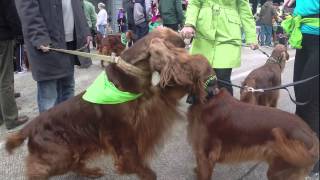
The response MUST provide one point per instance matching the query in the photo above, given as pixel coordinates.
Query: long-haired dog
(63, 138)
(266, 76)
(109, 44)
(226, 130)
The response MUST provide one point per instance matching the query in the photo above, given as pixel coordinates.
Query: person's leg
(142, 29)
(268, 30)
(225, 75)
(174, 27)
(263, 35)
(8, 106)
(307, 65)
(47, 94)
(65, 88)
(102, 30)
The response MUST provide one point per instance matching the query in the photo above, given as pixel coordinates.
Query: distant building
(112, 7)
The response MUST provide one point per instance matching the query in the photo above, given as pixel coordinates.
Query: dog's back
(266, 76)
(226, 130)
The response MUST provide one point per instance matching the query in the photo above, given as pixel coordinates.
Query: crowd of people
(215, 26)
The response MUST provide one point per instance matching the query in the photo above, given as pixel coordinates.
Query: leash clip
(251, 89)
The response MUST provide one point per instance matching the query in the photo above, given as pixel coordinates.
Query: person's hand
(288, 3)
(88, 40)
(187, 32)
(44, 48)
(254, 46)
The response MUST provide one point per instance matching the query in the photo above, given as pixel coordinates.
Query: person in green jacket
(171, 13)
(91, 17)
(90, 14)
(216, 26)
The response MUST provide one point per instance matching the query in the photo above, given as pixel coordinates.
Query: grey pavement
(174, 160)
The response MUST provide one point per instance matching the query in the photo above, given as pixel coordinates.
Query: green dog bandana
(102, 91)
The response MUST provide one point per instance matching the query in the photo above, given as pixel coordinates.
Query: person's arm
(247, 21)
(288, 3)
(179, 11)
(35, 28)
(192, 13)
(93, 16)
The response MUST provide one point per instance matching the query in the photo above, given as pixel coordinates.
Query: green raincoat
(218, 26)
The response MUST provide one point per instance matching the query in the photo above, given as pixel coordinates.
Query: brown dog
(63, 138)
(110, 44)
(266, 76)
(226, 130)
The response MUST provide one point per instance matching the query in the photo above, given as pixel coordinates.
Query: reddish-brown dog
(226, 130)
(63, 138)
(266, 76)
(110, 44)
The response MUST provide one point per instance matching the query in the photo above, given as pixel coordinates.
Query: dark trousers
(225, 75)
(174, 27)
(8, 106)
(306, 65)
(141, 30)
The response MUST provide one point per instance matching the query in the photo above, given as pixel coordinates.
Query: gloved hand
(188, 32)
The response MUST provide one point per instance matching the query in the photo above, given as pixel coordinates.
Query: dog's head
(178, 68)
(280, 54)
(139, 54)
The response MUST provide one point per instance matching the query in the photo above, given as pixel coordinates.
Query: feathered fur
(226, 130)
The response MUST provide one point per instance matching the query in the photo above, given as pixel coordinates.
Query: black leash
(249, 171)
(251, 89)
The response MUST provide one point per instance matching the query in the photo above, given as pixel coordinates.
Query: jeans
(8, 106)
(53, 92)
(266, 33)
(306, 65)
(102, 29)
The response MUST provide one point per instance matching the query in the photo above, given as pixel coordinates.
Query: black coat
(42, 23)
(10, 26)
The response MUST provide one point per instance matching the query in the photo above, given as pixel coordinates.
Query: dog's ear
(137, 52)
(203, 76)
(285, 56)
(164, 57)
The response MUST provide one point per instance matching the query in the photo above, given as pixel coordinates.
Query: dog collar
(275, 61)
(103, 91)
(209, 80)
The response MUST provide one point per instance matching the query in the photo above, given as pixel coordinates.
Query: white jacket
(102, 17)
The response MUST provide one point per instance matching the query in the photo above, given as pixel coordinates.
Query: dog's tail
(295, 151)
(16, 139)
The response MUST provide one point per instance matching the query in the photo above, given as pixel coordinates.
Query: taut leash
(253, 90)
(129, 68)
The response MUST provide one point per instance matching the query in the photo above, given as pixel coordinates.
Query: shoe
(16, 95)
(18, 122)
